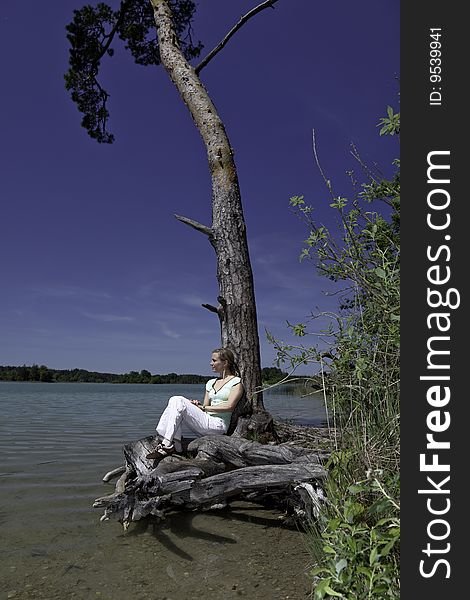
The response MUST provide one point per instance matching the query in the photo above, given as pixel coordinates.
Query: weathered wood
(239, 452)
(217, 469)
(121, 482)
(321, 438)
(135, 454)
(248, 479)
(114, 473)
(189, 489)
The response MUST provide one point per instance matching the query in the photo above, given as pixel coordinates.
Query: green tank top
(220, 397)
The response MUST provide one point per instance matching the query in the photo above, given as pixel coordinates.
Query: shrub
(356, 541)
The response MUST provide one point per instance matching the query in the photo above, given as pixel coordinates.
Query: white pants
(179, 412)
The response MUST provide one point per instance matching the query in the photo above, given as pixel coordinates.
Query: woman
(212, 416)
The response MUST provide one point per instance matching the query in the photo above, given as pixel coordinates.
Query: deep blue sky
(96, 271)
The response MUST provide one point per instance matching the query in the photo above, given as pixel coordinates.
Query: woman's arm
(206, 401)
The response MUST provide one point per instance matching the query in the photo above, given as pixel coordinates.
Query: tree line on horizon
(42, 373)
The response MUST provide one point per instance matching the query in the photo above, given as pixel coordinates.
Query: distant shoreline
(36, 373)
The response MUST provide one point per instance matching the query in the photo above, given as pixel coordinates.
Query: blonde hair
(228, 356)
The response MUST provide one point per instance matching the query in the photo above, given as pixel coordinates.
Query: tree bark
(227, 234)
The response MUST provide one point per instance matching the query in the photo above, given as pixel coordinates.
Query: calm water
(56, 443)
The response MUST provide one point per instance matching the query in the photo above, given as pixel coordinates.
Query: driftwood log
(214, 469)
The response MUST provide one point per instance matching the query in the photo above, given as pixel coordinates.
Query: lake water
(56, 443)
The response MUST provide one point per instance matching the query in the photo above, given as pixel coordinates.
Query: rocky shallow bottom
(243, 551)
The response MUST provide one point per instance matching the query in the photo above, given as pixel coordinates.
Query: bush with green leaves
(363, 337)
(355, 542)
(357, 536)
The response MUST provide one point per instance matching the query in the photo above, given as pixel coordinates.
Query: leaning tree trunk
(237, 308)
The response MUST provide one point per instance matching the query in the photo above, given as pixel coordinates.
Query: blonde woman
(212, 416)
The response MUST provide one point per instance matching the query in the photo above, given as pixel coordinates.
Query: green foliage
(89, 43)
(91, 34)
(356, 540)
(24, 373)
(272, 375)
(390, 123)
(364, 258)
(35, 373)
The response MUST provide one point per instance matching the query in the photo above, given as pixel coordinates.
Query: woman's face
(217, 364)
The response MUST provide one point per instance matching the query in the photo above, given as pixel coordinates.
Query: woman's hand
(198, 404)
